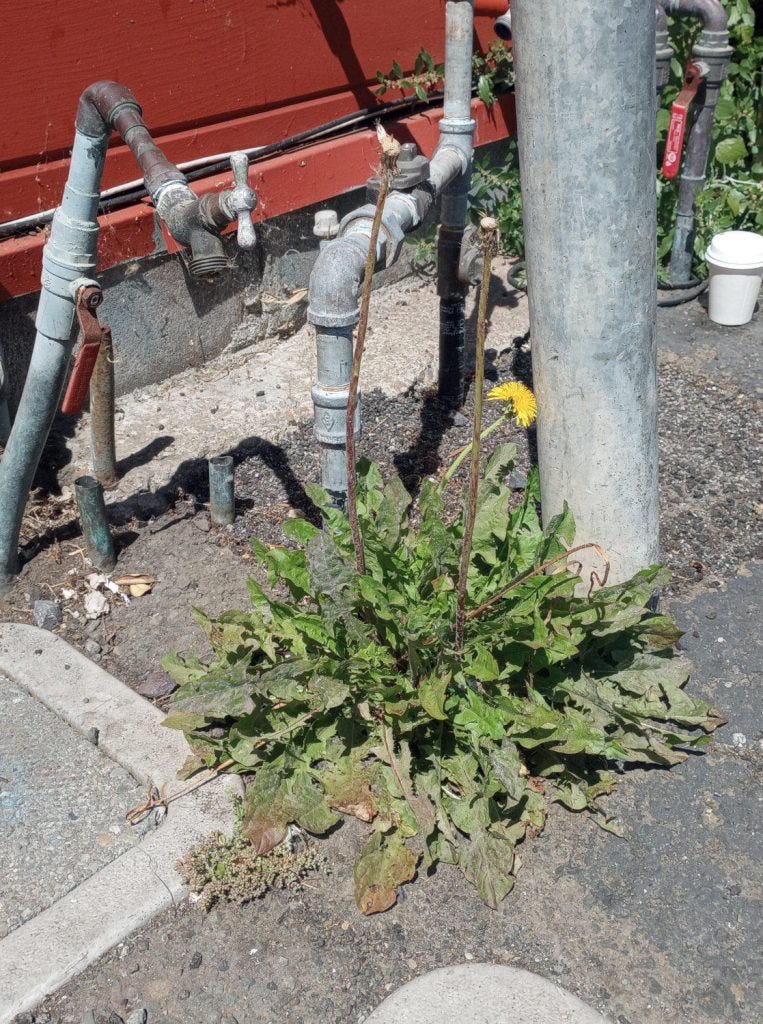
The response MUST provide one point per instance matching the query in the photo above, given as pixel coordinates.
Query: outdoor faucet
(197, 222)
(193, 221)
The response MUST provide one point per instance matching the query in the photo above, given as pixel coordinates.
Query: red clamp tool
(88, 300)
(679, 115)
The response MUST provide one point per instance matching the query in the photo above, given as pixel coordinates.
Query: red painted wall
(211, 75)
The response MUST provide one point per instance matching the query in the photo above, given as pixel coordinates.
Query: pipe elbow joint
(335, 283)
(711, 12)
(502, 26)
(105, 107)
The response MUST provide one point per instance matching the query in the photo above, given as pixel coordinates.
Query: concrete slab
(62, 805)
(483, 994)
(48, 950)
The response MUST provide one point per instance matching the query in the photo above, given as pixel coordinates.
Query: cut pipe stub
(95, 525)
(222, 496)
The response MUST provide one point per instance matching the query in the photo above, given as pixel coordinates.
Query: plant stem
(465, 452)
(388, 159)
(476, 612)
(489, 239)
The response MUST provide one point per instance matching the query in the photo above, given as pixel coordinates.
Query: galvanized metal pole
(585, 81)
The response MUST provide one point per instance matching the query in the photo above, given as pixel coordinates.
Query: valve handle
(679, 115)
(86, 303)
(242, 200)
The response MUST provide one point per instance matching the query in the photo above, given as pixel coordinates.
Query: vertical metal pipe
(330, 402)
(585, 82)
(338, 271)
(95, 525)
(663, 52)
(5, 416)
(222, 490)
(102, 441)
(456, 126)
(69, 256)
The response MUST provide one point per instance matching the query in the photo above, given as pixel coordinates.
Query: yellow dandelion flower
(522, 401)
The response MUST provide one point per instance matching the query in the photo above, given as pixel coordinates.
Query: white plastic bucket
(735, 262)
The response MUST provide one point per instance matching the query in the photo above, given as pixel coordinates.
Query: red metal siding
(212, 76)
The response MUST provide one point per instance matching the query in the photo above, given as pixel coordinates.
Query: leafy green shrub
(349, 698)
(496, 190)
(492, 74)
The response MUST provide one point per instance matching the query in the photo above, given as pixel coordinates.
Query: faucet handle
(242, 200)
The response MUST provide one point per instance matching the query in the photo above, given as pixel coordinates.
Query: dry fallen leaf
(136, 583)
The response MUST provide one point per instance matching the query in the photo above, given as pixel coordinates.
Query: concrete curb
(483, 994)
(47, 951)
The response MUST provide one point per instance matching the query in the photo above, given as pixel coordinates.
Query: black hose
(513, 276)
(255, 154)
(691, 290)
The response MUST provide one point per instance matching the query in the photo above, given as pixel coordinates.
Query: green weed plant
(348, 698)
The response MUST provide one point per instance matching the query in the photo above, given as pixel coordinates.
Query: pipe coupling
(330, 424)
(716, 57)
(68, 254)
(458, 126)
(664, 51)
